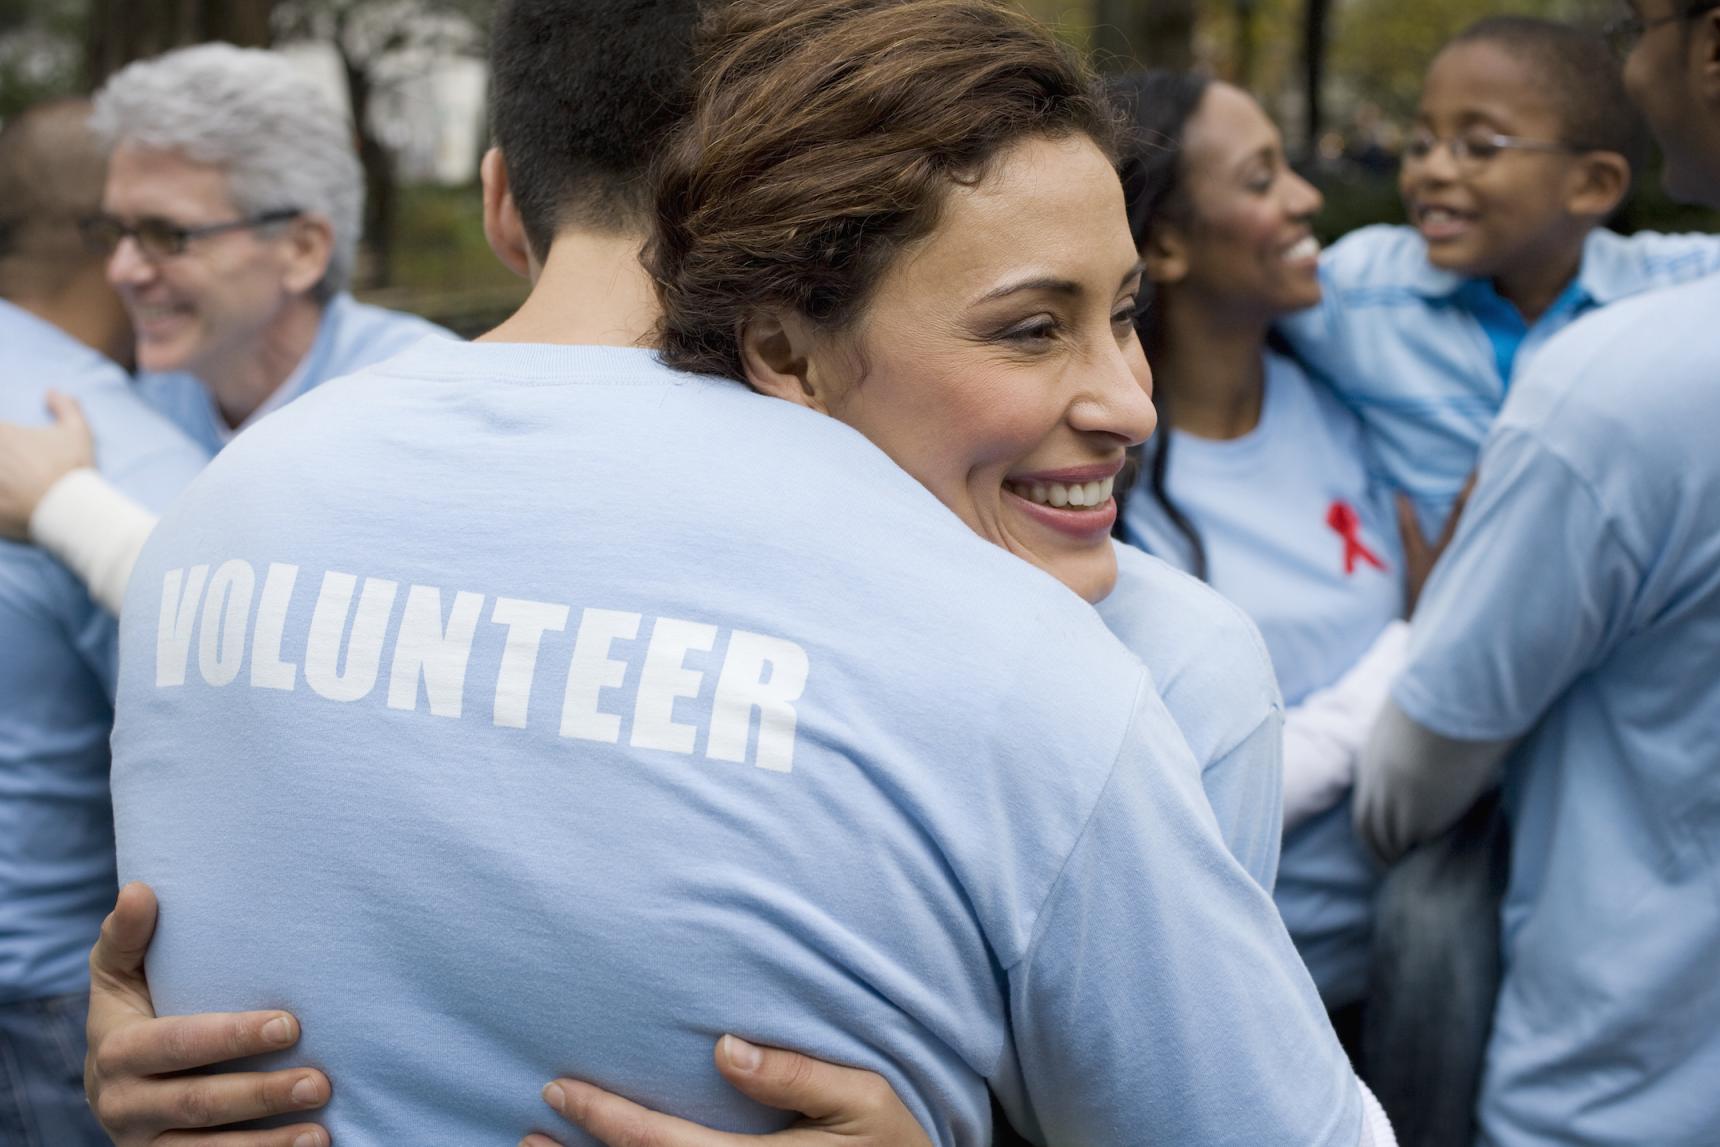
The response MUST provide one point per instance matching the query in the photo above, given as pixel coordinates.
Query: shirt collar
(1604, 277)
(294, 383)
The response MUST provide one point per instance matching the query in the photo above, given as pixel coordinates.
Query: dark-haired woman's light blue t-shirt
(1299, 535)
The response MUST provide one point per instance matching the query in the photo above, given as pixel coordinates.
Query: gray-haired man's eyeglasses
(163, 238)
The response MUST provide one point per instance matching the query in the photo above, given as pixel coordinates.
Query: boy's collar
(1604, 277)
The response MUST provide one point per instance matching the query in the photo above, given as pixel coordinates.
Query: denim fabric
(42, 1075)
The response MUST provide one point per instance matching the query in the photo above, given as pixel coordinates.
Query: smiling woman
(937, 257)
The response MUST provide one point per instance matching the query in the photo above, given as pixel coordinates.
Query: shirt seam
(1039, 912)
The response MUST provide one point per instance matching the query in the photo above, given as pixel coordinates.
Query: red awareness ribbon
(1343, 518)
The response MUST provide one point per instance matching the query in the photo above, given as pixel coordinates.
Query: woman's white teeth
(1060, 494)
(1305, 248)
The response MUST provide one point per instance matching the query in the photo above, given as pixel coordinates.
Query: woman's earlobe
(777, 360)
(1165, 257)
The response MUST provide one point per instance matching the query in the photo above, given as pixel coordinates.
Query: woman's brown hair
(824, 138)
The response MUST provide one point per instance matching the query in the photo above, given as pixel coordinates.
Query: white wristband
(1376, 1128)
(95, 530)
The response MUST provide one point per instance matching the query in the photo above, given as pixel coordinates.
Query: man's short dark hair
(1581, 74)
(583, 95)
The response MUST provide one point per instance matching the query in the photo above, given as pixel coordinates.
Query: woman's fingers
(842, 1097)
(617, 1122)
(181, 1043)
(844, 1106)
(298, 1135)
(165, 1111)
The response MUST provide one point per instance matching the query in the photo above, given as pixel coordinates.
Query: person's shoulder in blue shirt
(57, 673)
(351, 336)
(1211, 667)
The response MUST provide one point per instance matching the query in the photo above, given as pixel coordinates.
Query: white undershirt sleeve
(1413, 784)
(95, 530)
(1323, 736)
(1376, 1128)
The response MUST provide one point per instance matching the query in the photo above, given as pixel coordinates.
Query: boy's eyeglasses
(1625, 32)
(1475, 150)
(162, 238)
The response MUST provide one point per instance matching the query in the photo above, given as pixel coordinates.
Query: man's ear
(503, 228)
(779, 359)
(310, 246)
(1599, 184)
(1706, 38)
(1165, 256)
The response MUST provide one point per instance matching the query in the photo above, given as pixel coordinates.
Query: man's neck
(590, 291)
(244, 382)
(1212, 362)
(87, 310)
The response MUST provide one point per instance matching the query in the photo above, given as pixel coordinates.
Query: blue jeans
(42, 1075)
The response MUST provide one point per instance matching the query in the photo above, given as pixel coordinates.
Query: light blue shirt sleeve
(1535, 590)
(1245, 787)
(1212, 669)
(1161, 1000)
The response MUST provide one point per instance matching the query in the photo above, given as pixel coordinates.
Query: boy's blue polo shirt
(1426, 362)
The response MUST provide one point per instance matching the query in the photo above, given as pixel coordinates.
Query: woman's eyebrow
(1048, 283)
(1052, 284)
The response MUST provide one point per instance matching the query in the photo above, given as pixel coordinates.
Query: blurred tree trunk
(1315, 40)
(1145, 33)
(121, 31)
(380, 184)
(1243, 49)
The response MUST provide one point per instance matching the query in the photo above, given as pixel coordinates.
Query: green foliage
(41, 51)
(442, 265)
(1381, 48)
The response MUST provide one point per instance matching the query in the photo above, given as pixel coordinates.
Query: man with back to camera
(231, 219)
(60, 329)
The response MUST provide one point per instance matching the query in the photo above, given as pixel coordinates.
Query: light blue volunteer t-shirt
(57, 674)
(1213, 672)
(1579, 606)
(1411, 349)
(351, 336)
(1299, 535)
(574, 711)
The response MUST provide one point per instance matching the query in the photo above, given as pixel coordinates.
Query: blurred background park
(1340, 76)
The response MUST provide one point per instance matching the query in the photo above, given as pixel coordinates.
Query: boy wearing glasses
(1522, 149)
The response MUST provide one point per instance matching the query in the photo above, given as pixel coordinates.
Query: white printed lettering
(268, 671)
(592, 671)
(226, 615)
(328, 635)
(527, 622)
(742, 687)
(425, 648)
(181, 591)
(664, 679)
